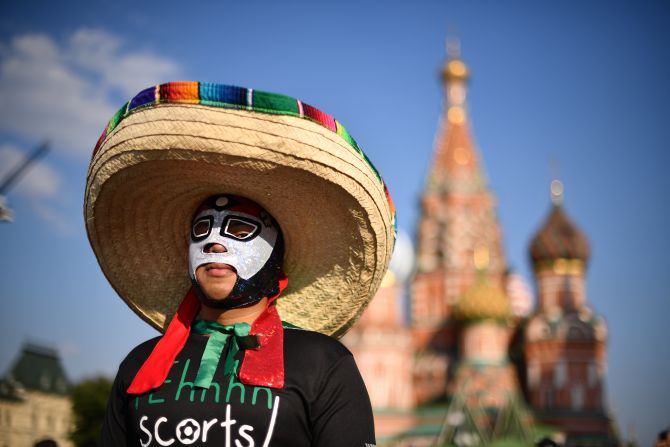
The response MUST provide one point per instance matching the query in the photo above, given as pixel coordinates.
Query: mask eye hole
(201, 228)
(240, 229)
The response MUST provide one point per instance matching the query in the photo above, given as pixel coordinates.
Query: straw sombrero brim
(154, 166)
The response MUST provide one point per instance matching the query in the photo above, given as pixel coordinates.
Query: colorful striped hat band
(175, 144)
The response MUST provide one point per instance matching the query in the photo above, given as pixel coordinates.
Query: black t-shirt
(323, 403)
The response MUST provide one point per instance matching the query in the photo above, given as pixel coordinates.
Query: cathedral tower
(485, 388)
(565, 341)
(457, 220)
(382, 345)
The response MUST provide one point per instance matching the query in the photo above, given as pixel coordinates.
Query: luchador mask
(253, 242)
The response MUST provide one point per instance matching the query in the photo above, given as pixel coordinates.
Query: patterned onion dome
(483, 300)
(559, 238)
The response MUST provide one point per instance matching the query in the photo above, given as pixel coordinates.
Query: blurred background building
(456, 353)
(35, 406)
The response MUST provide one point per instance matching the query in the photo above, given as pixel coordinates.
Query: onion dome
(454, 69)
(483, 300)
(559, 239)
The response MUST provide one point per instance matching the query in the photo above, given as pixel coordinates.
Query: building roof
(483, 300)
(456, 166)
(558, 238)
(37, 368)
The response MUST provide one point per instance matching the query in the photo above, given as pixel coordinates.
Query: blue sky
(582, 83)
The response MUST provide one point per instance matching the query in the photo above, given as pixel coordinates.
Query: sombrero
(175, 144)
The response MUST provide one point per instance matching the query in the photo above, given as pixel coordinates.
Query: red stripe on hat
(320, 117)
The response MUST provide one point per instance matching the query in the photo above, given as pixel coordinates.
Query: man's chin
(216, 303)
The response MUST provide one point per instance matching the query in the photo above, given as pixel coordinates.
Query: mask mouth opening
(219, 265)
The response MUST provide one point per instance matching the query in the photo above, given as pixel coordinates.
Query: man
(264, 184)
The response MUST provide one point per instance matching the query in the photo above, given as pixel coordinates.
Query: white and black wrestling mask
(253, 244)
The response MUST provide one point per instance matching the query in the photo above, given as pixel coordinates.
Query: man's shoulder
(313, 340)
(313, 345)
(139, 353)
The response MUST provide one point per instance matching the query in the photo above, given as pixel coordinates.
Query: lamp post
(6, 214)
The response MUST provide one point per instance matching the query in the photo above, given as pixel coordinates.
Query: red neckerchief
(263, 366)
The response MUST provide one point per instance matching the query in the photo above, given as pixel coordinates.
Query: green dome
(483, 300)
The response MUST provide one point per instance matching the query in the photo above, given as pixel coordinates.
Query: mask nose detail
(215, 248)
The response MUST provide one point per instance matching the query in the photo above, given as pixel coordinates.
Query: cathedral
(456, 355)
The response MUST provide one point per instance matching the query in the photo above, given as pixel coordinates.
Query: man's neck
(246, 314)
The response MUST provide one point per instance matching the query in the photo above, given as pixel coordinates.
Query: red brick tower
(382, 347)
(565, 342)
(457, 220)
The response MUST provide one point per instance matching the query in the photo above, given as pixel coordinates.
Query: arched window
(533, 374)
(577, 395)
(548, 398)
(560, 373)
(592, 374)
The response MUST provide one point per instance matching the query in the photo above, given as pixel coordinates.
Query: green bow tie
(219, 334)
